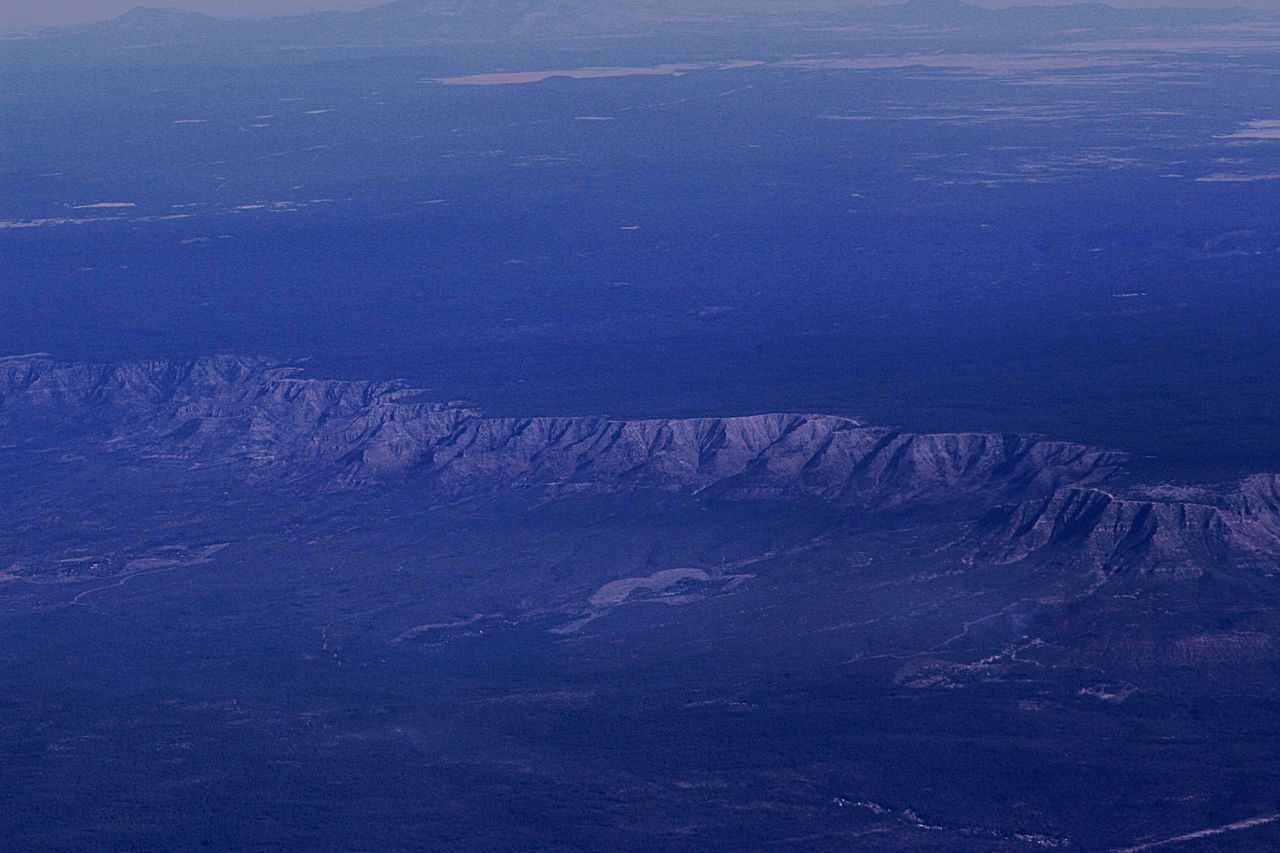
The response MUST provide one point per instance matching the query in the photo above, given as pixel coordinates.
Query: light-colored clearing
(1259, 129)
(618, 591)
(6, 224)
(507, 78)
(984, 63)
(435, 626)
(1238, 178)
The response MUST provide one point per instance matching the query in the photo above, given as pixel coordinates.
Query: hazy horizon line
(56, 13)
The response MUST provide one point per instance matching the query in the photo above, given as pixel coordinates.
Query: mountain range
(438, 27)
(1029, 496)
(772, 625)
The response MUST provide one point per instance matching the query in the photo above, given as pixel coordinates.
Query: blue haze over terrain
(15, 13)
(697, 425)
(943, 249)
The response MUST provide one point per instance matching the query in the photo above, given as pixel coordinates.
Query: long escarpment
(226, 410)
(1042, 499)
(1172, 531)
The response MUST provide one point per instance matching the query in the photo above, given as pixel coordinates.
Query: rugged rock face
(1043, 499)
(1178, 532)
(227, 410)
(1097, 529)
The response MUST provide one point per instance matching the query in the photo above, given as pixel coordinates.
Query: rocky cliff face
(1170, 531)
(1043, 499)
(236, 411)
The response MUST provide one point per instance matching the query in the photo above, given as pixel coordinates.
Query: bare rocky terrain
(227, 410)
(1034, 497)
(517, 602)
(866, 435)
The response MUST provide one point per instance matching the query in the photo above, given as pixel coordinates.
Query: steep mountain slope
(1033, 499)
(217, 564)
(1170, 531)
(228, 410)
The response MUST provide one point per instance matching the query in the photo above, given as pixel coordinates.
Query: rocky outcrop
(235, 411)
(1042, 499)
(1171, 531)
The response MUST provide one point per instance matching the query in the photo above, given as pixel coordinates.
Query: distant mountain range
(488, 18)
(1030, 497)
(148, 33)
